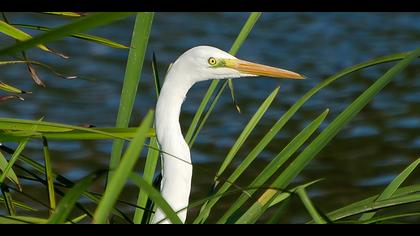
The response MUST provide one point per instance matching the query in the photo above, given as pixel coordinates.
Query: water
(362, 159)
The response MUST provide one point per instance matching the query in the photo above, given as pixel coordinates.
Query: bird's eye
(212, 61)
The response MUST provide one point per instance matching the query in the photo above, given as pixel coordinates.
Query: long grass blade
(392, 187)
(279, 212)
(349, 210)
(65, 206)
(122, 172)
(249, 24)
(8, 200)
(149, 172)
(13, 159)
(33, 220)
(11, 175)
(87, 37)
(79, 25)
(292, 110)
(277, 161)
(239, 142)
(192, 129)
(156, 75)
(388, 217)
(157, 198)
(246, 29)
(49, 176)
(284, 195)
(323, 139)
(70, 14)
(9, 125)
(207, 114)
(268, 171)
(18, 34)
(59, 178)
(77, 219)
(151, 161)
(139, 40)
(301, 192)
(11, 89)
(377, 205)
(105, 133)
(20, 205)
(247, 131)
(280, 123)
(21, 220)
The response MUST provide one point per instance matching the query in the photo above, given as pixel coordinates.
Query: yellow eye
(212, 61)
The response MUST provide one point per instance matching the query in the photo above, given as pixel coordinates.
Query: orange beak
(251, 68)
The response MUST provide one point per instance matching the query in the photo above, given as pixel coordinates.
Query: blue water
(359, 162)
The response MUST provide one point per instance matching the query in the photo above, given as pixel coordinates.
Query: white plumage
(197, 64)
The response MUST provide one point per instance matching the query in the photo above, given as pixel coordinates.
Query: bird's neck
(168, 109)
(176, 159)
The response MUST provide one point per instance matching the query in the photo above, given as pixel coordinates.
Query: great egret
(200, 63)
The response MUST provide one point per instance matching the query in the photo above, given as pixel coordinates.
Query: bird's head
(205, 62)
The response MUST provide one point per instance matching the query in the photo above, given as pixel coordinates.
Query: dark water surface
(365, 156)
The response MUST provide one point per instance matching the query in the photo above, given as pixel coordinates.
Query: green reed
(270, 190)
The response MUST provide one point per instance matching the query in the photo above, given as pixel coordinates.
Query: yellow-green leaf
(71, 14)
(11, 174)
(22, 36)
(87, 37)
(11, 89)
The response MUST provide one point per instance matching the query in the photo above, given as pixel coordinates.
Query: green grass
(10, 174)
(272, 189)
(122, 172)
(87, 37)
(64, 208)
(135, 61)
(259, 207)
(275, 164)
(79, 25)
(49, 175)
(392, 187)
(15, 33)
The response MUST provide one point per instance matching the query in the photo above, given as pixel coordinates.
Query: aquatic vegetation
(265, 197)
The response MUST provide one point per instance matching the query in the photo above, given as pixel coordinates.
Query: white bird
(197, 64)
